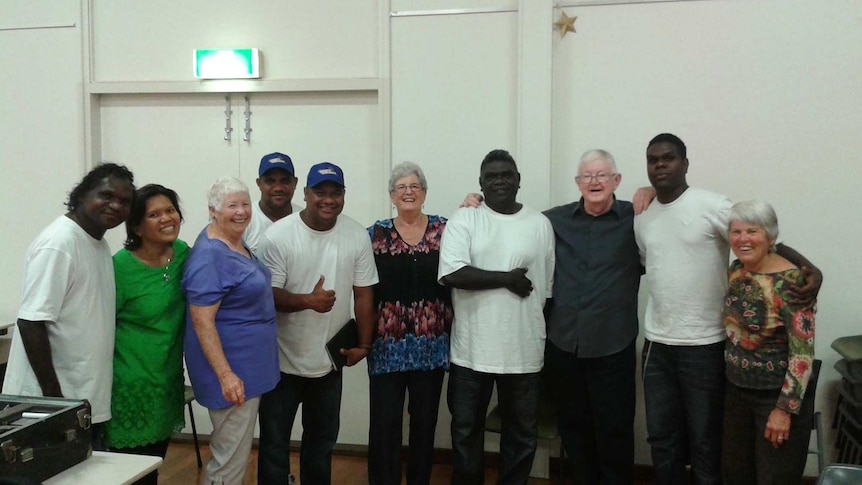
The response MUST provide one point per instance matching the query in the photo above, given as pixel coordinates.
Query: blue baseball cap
(325, 172)
(275, 160)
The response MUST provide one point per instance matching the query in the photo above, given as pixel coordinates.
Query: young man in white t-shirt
(64, 346)
(318, 259)
(683, 242)
(499, 260)
(277, 183)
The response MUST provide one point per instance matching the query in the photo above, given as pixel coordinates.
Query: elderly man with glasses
(593, 324)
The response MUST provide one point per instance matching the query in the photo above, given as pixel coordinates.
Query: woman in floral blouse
(410, 351)
(769, 356)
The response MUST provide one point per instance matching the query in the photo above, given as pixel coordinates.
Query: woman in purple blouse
(230, 341)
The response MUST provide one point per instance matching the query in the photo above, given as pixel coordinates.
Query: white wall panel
(154, 40)
(29, 14)
(41, 156)
(173, 140)
(454, 98)
(342, 128)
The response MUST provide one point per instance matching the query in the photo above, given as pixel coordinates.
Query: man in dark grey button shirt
(593, 325)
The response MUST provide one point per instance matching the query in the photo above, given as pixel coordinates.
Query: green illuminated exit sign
(227, 63)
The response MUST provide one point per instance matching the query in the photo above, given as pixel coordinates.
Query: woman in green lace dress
(147, 397)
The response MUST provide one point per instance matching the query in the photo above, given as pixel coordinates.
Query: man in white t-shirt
(499, 260)
(64, 346)
(277, 183)
(683, 242)
(318, 258)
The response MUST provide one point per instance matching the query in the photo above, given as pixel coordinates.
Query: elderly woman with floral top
(410, 351)
(769, 356)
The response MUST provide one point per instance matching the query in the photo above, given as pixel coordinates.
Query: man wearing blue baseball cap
(317, 257)
(277, 183)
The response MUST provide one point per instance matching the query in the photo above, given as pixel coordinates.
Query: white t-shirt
(297, 255)
(69, 282)
(684, 248)
(258, 225)
(496, 331)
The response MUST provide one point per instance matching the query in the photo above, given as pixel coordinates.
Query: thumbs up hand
(321, 300)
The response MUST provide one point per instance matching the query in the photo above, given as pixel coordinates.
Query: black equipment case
(42, 436)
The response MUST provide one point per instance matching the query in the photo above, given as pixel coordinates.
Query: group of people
(498, 295)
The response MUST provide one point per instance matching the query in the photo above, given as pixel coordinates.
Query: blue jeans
(468, 398)
(684, 398)
(596, 408)
(321, 405)
(387, 393)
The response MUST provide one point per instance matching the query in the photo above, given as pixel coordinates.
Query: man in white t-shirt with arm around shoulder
(499, 260)
(277, 183)
(318, 258)
(64, 346)
(683, 243)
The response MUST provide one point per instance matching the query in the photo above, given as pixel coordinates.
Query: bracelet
(364, 346)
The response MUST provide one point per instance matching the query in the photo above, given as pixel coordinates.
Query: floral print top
(414, 312)
(770, 341)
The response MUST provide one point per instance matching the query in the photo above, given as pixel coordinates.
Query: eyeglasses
(403, 188)
(587, 178)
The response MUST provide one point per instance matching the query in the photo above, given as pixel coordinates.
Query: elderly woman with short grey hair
(769, 356)
(410, 350)
(230, 341)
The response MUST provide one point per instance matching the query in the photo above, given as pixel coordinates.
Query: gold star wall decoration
(565, 24)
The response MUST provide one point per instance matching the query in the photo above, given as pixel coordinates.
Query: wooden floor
(180, 468)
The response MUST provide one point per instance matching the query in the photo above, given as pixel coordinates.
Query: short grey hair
(222, 188)
(406, 169)
(590, 156)
(755, 212)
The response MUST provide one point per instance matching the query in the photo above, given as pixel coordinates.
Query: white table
(107, 468)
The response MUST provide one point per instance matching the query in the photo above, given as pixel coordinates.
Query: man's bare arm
(470, 278)
(642, 199)
(34, 337)
(363, 307)
(807, 293)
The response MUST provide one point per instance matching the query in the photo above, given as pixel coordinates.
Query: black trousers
(748, 459)
(596, 407)
(468, 397)
(387, 392)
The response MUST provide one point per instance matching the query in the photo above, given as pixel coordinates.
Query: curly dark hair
(138, 210)
(95, 177)
(498, 155)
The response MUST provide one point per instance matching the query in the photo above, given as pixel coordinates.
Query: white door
(175, 140)
(340, 127)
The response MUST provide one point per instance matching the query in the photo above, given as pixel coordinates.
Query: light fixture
(227, 63)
